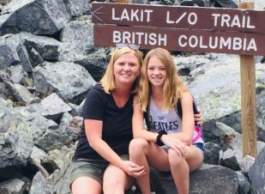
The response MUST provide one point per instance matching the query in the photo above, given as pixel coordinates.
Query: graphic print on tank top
(167, 120)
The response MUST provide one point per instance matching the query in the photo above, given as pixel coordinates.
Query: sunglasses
(131, 46)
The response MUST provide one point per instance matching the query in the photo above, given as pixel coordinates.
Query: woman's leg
(115, 180)
(144, 153)
(86, 185)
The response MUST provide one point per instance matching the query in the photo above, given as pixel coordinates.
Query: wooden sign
(214, 19)
(180, 28)
(180, 39)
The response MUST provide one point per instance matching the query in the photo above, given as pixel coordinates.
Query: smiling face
(156, 72)
(126, 69)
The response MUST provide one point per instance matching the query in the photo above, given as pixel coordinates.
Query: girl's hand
(133, 169)
(174, 143)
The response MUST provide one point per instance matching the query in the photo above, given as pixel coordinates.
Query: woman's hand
(198, 118)
(174, 143)
(133, 169)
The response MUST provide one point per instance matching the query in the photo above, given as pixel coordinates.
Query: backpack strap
(146, 116)
(179, 108)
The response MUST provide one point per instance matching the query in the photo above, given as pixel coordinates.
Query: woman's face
(156, 72)
(126, 69)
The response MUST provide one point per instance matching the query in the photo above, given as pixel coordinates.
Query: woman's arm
(104, 150)
(139, 130)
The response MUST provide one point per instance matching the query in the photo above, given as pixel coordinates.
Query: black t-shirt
(117, 123)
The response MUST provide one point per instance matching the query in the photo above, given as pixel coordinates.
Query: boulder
(44, 17)
(69, 80)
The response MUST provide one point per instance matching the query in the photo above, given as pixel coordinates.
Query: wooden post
(248, 98)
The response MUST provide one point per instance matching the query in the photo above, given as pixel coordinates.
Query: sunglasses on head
(131, 46)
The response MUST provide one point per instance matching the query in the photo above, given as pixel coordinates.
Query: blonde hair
(108, 80)
(173, 86)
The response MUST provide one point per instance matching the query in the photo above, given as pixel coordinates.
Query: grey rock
(244, 185)
(52, 106)
(257, 174)
(8, 54)
(16, 73)
(77, 38)
(69, 80)
(36, 16)
(16, 140)
(39, 185)
(21, 94)
(48, 48)
(95, 63)
(13, 186)
(78, 7)
(218, 179)
(13, 52)
(211, 153)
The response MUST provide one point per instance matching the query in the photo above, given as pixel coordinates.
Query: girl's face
(126, 69)
(156, 72)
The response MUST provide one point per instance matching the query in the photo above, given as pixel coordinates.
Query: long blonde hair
(108, 80)
(173, 86)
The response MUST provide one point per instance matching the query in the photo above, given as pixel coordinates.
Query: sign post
(248, 98)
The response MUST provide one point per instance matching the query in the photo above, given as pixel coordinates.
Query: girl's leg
(180, 171)
(181, 166)
(144, 153)
(115, 180)
(86, 185)
(194, 157)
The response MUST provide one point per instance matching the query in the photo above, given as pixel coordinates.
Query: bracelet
(158, 137)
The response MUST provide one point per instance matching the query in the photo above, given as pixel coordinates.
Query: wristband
(158, 137)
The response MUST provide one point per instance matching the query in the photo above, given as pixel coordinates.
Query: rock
(211, 153)
(77, 38)
(45, 17)
(218, 179)
(12, 52)
(244, 185)
(69, 80)
(39, 185)
(78, 7)
(13, 186)
(95, 63)
(16, 73)
(47, 48)
(21, 94)
(53, 107)
(16, 140)
(257, 174)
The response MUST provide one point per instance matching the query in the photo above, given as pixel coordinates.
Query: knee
(138, 145)
(113, 185)
(174, 157)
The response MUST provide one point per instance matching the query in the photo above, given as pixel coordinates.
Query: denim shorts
(200, 146)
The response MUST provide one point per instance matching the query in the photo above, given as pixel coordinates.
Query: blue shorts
(200, 146)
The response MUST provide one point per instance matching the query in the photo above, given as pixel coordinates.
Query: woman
(101, 160)
(167, 144)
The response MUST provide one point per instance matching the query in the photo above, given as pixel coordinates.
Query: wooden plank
(248, 99)
(180, 39)
(215, 19)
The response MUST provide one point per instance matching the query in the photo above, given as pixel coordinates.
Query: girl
(168, 143)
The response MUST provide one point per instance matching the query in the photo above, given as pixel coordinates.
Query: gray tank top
(167, 120)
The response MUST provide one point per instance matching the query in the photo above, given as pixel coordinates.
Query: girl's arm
(187, 119)
(139, 130)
